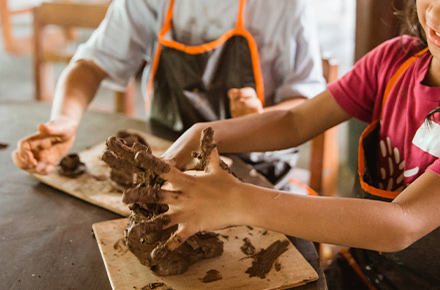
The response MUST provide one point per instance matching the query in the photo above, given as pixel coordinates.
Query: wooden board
(95, 186)
(125, 271)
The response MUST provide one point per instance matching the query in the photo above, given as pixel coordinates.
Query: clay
(156, 285)
(121, 176)
(265, 259)
(145, 235)
(247, 248)
(3, 146)
(211, 276)
(71, 166)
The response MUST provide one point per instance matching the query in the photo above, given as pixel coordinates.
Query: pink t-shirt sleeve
(360, 91)
(435, 167)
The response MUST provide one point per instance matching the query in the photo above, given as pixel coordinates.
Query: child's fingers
(114, 161)
(152, 226)
(150, 162)
(176, 239)
(118, 146)
(143, 194)
(214, 163)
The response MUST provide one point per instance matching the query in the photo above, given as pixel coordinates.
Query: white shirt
(284, 31)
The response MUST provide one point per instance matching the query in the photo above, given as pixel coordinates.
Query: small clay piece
(264, 260)
(120, 175)
(131, 137)
(71, 166)
(3, 146)
(145, 235)
(156, 285)
(247, 248)
(211, 276)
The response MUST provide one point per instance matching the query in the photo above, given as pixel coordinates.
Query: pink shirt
(408, 146)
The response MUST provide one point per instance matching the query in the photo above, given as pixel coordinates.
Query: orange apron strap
(352, 262)
(240, 16)
(361, 163)
(258, 75)
(398, 74)
(166, 26)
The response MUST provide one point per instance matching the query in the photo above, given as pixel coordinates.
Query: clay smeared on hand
(71, 166)
(145, 235)
(123, 176)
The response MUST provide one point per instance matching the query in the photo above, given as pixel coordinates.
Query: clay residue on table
(247, 248)
(156, 285)
(3, 145)
(211, 276)
(264, 260)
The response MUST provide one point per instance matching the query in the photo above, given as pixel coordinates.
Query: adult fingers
(22, 161)
(234, 94)
(143, 194)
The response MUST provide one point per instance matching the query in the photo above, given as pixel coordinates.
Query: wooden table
(46, 237)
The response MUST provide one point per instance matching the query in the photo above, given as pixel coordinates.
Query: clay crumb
(3, 146)
(225, 237)
(211, 276)
(265, 259)
(247, 248)
(277, 266)
(156, 285)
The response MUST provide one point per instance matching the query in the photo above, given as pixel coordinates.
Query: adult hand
(39, 153)
(244, 101)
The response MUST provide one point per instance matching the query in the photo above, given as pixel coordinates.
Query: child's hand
(244, 101)
(197, 202)
(40, 152)
(179, 153)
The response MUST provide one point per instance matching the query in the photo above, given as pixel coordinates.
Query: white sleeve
(299, 63)
(125, 38)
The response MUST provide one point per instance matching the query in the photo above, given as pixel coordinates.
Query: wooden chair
(67, 17)
(324, 150)
(12, 43)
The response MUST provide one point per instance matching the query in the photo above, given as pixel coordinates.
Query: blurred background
(347, 30)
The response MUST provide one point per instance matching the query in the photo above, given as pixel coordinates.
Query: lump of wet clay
(71, 166)
(144, 232)
(123, 177)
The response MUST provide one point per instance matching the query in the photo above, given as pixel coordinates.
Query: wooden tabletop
(46, 235)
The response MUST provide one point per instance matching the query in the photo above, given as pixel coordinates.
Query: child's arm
(268, 131)
(217, 200)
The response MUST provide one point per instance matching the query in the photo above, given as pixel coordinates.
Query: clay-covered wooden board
(125, 271)
(95, 186)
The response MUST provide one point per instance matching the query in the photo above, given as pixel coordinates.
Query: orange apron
(189, 84)
(418, 266)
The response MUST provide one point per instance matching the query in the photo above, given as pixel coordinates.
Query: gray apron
(189, 84)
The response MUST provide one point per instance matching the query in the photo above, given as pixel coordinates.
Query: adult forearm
(75, 90)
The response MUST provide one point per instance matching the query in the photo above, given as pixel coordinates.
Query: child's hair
(411, 25)
(410, 22)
